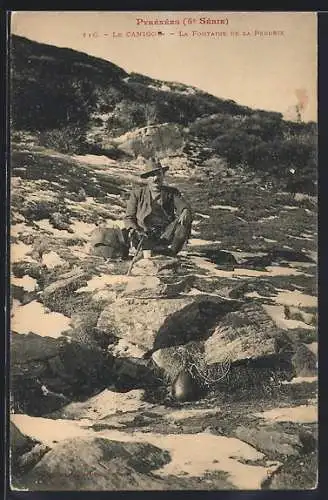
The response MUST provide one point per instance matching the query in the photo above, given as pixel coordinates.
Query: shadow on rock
(48, 373)
(193, 322)
(135, 373)
(290, 255)
(223, 259)
(275, 256)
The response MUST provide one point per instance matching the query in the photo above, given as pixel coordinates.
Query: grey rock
(32, 347)
(156, 139)
(139, 320)
(247, 333)
(19, 443)
(60, 221)
(56, 293)
(46, 373)
(98, 464)
(34, 270)
(270, 440)
(157, 265)
(297, 314)
(153, 286)
(31, 458)
(304, 361)
(102, 406)
(158, 323)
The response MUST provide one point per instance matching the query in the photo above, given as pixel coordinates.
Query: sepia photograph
(163, 251)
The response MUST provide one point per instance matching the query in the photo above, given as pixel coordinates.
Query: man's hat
(153, 167)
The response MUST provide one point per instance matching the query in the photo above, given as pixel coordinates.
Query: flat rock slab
(157, 265)
(271, 441)
(154, 286)
(103, 405)
(98, 464)
(191, 455)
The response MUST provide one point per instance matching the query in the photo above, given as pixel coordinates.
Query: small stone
(59, 221)
(31, 458)
(157, 265)
(304, 361)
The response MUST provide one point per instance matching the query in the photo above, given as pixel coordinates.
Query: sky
(271, 64)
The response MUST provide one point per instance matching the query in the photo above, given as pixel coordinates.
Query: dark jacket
(139, 205)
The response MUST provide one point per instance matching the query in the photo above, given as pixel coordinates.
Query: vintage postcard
(163, 242)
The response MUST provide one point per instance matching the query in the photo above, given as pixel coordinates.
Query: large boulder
(29, 459)
(153, 324)
(297, 314)
(245, 349)
(32, 347)
(25, 452)
(98, 464)
(140, 320)
(246, 333)
(155, 139)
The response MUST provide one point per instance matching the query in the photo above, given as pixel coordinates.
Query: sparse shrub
(38, 210)
(66, 140)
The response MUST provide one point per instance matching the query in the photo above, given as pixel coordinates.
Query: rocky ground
(94, 352)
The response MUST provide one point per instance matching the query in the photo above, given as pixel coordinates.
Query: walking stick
(134, 260)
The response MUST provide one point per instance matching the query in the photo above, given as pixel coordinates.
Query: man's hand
(139, 233)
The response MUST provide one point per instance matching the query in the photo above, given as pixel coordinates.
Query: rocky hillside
(98, 357)
(80, 104)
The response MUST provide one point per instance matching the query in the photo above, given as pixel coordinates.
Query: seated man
(158, 214)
